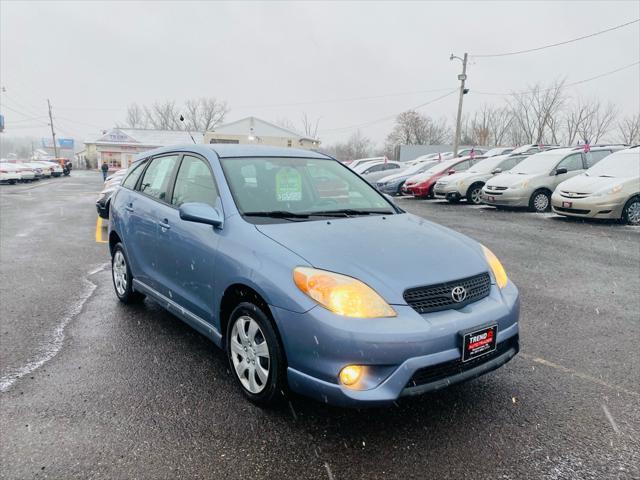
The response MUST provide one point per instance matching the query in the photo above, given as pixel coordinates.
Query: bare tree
(412, 128)
(203, 114)
(357, 146)
(598, 122)
(309, 126)
(135, 117)
(629, 129)
(499, 123)
(534, 111)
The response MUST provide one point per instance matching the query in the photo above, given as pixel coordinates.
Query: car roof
(223, 150)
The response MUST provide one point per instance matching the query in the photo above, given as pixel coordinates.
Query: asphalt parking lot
(90, 388)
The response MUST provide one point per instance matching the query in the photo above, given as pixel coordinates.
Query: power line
(578, 82)
(388, 117)
(518, 52)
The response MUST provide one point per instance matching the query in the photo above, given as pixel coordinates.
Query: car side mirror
(495, 171)
(451, 172)
(200, 213)
(560, 171)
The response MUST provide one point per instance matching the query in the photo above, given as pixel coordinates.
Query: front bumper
(590, 207)
(506, 198)
(318, 344)
(448, 192)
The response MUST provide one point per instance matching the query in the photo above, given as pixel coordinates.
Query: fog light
(350, 375)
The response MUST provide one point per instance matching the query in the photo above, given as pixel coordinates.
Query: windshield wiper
(607, 176)
(347, 212)
(278, 214)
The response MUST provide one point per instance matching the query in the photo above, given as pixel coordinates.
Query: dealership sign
(64, 143)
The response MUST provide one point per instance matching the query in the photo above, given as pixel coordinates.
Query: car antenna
(185, 128)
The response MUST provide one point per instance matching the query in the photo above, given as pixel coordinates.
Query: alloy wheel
(250, 354)
(541, 202)
(633, 213)
(119, 268)
(475, 196)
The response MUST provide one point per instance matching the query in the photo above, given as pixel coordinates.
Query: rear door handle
(164, 224)
(129, 207)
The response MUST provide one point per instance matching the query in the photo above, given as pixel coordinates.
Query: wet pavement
(90, 388)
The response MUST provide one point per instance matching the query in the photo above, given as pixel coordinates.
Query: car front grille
(437, 372)
(577, 211)
(432, 298)
(574, 194)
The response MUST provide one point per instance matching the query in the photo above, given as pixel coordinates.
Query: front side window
(194, 183)
(304, 186)
(572, 163)
(135, 171)
(155, 182)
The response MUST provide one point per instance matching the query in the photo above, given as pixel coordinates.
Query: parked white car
(9, 173)
(609, 189)
(27, 174)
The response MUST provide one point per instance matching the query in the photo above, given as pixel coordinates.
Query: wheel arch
(114, 239)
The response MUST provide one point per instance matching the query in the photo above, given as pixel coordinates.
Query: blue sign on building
(1, 123)
(64, 143)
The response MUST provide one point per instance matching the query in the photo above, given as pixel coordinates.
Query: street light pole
(462, 77)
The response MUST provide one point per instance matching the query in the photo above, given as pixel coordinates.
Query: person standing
(105, 169)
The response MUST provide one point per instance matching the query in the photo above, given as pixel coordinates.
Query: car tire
(473, 194)
(122, 278)
(399, 192)
(631, 211)
(453, 199)
(249, 329)
(540, 201)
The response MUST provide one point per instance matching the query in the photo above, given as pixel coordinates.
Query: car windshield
(539, 163)
(300, 188)
(487, 166)
(419, 168)
(497, 151)
(440, 166)
(623, 165)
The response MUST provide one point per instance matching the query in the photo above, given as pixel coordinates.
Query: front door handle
(164, 224)
(129, 207)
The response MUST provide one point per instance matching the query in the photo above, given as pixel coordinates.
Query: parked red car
(421, 186)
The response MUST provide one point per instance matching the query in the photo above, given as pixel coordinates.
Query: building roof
(144, 137)
(259, 128)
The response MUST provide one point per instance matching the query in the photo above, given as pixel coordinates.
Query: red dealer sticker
(479, 342)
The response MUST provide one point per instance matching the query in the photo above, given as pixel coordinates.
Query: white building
(255, 131)
(118, 147)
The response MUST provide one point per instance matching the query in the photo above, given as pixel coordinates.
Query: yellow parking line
(99, 231)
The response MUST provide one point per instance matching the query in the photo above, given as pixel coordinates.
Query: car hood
(585, 184)
(398, 252)
(509, 179)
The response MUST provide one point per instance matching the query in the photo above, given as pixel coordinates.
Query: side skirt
(194, 321)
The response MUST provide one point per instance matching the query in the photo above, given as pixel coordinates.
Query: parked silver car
(532, 181)
(610, 189)
(373, 171)
(468, 184)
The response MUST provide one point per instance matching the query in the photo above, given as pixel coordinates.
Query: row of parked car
(22, 172)
(599, 181)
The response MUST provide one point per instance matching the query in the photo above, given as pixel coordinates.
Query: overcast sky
(92, 59)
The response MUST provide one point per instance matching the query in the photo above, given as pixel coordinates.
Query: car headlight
(496, 267)
(610, 191)
(522, 184)
(341, 294)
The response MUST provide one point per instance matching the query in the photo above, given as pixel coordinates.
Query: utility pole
(53, 133)
(462, 77)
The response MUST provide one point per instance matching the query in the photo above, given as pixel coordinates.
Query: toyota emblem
(458, 294)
